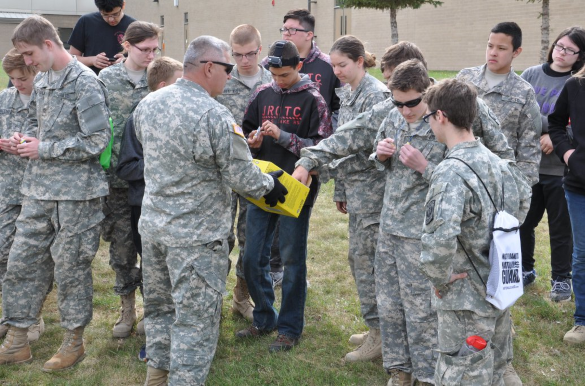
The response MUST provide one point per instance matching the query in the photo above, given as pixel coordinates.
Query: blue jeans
(260, 227)
(576, 204)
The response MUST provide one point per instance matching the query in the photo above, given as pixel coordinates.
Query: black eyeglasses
(250, 55)
(147, 51)
(228, 66)
(427, 117)
(566, 50)
(410, 104)
(291, 31)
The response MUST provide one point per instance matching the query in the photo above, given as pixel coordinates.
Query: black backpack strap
(473, 265)
(480, 180)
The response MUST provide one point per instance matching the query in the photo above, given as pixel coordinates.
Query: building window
(162, 21)
(64, 34)
(186, 30)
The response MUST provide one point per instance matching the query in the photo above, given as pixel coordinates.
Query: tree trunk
(393, 26)
(544, 30)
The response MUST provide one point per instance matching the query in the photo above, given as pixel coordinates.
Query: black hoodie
(302, 116)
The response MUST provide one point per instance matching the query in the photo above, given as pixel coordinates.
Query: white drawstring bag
(504, 284)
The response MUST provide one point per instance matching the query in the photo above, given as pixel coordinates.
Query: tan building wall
(452, 36)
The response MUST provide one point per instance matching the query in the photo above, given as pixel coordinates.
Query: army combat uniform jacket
(236, 94)
(69, 116)
(514, 103)
(124, 95)
(354, 172)
(458, 206)
(188, 179)
(13, 114)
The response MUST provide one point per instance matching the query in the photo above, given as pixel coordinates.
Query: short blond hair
(161, 70)
(245, 34)
(35, 30)
(15, 61)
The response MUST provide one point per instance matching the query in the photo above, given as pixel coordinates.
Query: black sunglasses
(228, 66)
(410, 104)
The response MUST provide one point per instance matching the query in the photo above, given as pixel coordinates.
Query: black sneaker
(528, 277)
(282, 343)
(561, 290)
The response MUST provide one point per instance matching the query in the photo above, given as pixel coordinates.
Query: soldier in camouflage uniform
(361, 91)
(247, 75)
(459, 215)
(57, 230)
(408, 324)
(510, 97)
(193, 153)
(127, 85)
(13, 113)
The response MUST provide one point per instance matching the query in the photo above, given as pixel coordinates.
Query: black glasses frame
(292, 31)
(566, 50)
(249, 55)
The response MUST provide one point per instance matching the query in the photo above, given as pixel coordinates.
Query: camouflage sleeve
(339, 191)
(31, 127)
(528, 151)
(524, 191)
(443, 213)
(380, 165)
(93, 132)
(354, 136)
(486, 126)
(233, 156)
(319, 119)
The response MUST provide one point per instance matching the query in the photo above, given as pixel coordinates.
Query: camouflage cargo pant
(239, 207)
(116, 228)
(60, 237)
(363, 235)
(407, 322)
(8, 216)
(485, 367)
(182, 307)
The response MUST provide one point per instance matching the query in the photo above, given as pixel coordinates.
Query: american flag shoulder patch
(238, 130)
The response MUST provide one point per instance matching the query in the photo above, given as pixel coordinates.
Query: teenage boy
(247, 75)
(57, 230)
(458, 223)
(13, 114)
(97, 37)
(290, 114)
(194, 153)
(160, 73)
(509, 96)
(407, 322)
(299, 27)
(398, 53)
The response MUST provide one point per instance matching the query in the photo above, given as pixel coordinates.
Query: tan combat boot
(15, 348)
(369, 350)
(242, 304)
(140, 326)
(399, 378)
(125, 322)
(511, 378)
(3, 330)
(36, 330)
(156, 377)
(71, 352)
(358, 339)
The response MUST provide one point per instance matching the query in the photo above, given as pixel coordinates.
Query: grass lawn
(332, 315)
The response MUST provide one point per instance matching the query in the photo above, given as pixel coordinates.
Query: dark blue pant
(576, 203)
(294, 232)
